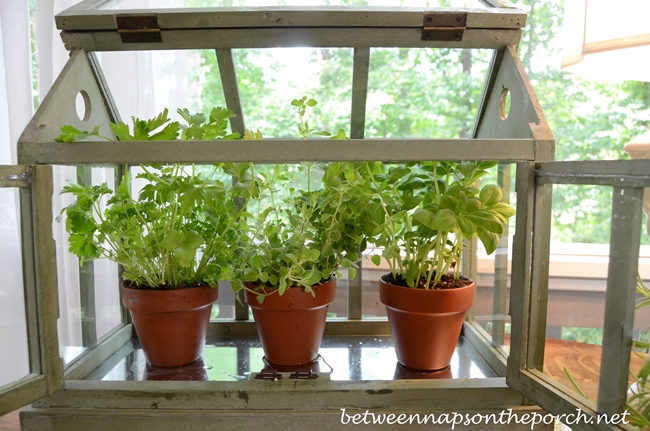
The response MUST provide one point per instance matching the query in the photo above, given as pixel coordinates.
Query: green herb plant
(301, 236)
(182, 229)
(421, 213)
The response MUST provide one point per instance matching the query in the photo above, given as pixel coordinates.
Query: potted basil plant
(299, 236)
(420, 216)
(174, 241)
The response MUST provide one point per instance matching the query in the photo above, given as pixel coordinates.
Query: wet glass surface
(342, 358)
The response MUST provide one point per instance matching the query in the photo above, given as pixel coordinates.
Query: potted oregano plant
(419, 218)
(175, 241)
(299, 236)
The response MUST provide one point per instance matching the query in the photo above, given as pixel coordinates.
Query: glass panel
(345, 358)
(70, 313)
(640, 392)
(578, 267)
(424, 93)
(492, 302)
(166, 4)
(106, 305)
(13, 325)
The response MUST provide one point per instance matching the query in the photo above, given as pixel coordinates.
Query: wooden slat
(594, 168)
(620, 296)
(359, 92)
(426, 395)
(542, 220)
(520, 278)
(275, 151)
(22, 392)
(332, 37)
(46, 278)
(287, 16)
(230, 86)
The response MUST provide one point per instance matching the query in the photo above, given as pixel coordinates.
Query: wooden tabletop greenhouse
(105, 383)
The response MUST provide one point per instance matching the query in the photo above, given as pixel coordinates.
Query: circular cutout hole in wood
(82, 106)
(504, 104)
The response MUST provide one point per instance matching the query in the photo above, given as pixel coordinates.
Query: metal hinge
(138, 29)
(444, 26)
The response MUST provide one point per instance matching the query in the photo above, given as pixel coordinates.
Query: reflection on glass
(164, 4)
(237, 359)
(13, 326)
(424, 93)
(578, 267)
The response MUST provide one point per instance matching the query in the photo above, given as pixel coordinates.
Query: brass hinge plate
(138, 29)
(444, 26)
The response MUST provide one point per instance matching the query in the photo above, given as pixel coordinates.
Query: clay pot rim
(426, 300)
(168, 300)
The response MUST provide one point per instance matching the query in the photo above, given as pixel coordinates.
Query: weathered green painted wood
(281, 419)
(105, 91)
(277, 420)
(364, 37)
(542, 219)
(482, 342)
(450, 394)
(562, 401)
(29, 278)
(625, 238)
(593, 168)
(360, 70)
(22, 392)
(488, 89)
(287, 16)
(46, 279)
(89, 360)
(276, 150)
(230, 86)
(58, 107)
(520, 278)
(525, 116)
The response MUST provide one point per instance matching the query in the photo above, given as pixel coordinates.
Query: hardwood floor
(9, 422)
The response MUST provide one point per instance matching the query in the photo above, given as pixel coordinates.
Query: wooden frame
(521, 136)
(40, 287)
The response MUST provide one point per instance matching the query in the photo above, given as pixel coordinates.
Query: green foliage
(181, 229)
(301, 236)
(420, 214)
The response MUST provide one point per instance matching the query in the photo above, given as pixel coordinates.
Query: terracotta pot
(425, 324)
(171, 324)
(291, 326)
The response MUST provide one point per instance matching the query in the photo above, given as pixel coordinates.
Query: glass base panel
(341, 358)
